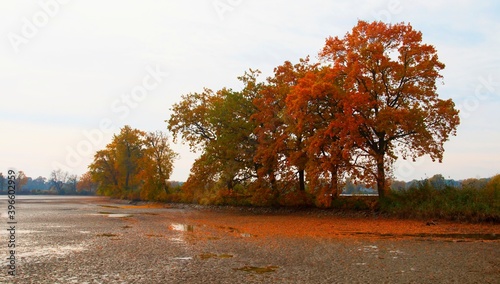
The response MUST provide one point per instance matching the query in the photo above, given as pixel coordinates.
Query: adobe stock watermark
(486, 89)
(31, 26)
(223, 6)
(121, 108)
(385, 15)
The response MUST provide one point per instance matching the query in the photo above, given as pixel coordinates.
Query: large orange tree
(281, 151)
(316, 103)
(390, 105)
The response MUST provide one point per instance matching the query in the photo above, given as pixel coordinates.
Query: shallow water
(181, 227)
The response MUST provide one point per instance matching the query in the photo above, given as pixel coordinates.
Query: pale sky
(72, 73)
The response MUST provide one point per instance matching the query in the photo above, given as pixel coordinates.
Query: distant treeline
(59, 183)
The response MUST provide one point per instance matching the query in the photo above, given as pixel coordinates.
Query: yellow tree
(391, 107)
(135, 164)
(104, 171)
(157, 165)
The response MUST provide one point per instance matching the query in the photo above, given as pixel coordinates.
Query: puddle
(178, 240)
(181, 227)
(259, 270)
(119, 215)
(114, 215)
(183, 258)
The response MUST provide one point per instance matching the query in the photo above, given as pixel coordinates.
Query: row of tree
(60, 182)
(298, 135)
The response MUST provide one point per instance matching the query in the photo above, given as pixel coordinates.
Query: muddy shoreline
(99, 240)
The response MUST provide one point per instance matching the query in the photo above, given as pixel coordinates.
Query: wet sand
(98, 240)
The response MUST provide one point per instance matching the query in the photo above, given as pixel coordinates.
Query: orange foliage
(370, 100)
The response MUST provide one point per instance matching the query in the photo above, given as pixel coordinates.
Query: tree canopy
(298, 136)
(134, 165)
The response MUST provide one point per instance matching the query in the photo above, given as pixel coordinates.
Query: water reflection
(113, 215)
(181, 227)
(183, 258)
(119, 215)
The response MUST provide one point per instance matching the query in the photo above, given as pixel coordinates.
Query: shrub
(422, 200)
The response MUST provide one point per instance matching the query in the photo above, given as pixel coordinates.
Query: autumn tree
(105, 172)
(316, 103)
(86, 185)
(129, 150)
(281, 150)
(21, 180)
(218, 124)
(135, 164)
(391, 107)
(157, 165)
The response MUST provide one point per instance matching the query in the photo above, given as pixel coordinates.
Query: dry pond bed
(98, 240)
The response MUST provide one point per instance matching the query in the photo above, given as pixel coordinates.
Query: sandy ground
(97, 240)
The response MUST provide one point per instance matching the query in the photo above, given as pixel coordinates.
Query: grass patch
(110, 206)
(109, 235)
(258, 270)
(424, 201)
(204, 256)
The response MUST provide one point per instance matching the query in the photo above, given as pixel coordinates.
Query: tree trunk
(302, 182)
(381, 184)
(230, 184)
(335, 183)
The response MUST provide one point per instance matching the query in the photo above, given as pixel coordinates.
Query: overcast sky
(72, 73)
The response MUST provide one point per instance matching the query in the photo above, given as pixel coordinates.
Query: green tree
(219, 125)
